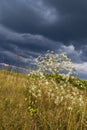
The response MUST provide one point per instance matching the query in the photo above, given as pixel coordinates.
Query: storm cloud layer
(31, 27)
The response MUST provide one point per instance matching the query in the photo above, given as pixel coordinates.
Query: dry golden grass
(36, 103)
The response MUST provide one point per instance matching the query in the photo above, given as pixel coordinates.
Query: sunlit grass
(38, 102)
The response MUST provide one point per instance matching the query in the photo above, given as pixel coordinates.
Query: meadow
(42, 102)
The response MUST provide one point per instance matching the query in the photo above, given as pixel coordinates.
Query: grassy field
(38, 102)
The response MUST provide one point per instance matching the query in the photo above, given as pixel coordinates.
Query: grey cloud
(31, 27)
(26, 16)
(24, 45)
(72, 53)
(18, 16)
(33, 45)
(72, 21)
(35, 42)
(82, 70)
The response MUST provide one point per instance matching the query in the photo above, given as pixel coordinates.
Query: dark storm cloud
(13, 44)
(27, 45)
(17, 16)
(57, 19)
(26, 41)
(31, 27)
(73, 19)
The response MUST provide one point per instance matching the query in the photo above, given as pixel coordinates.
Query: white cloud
(81, 68)
(71, 50)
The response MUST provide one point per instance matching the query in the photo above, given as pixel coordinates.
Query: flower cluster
(54, 63)
(52, 93)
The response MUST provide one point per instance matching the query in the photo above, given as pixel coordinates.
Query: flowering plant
(51, 62)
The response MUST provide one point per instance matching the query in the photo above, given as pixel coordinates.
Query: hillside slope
(32, 102)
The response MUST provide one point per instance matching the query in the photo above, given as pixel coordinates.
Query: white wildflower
(46, 82)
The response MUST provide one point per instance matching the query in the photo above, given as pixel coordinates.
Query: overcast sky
(31, 27)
